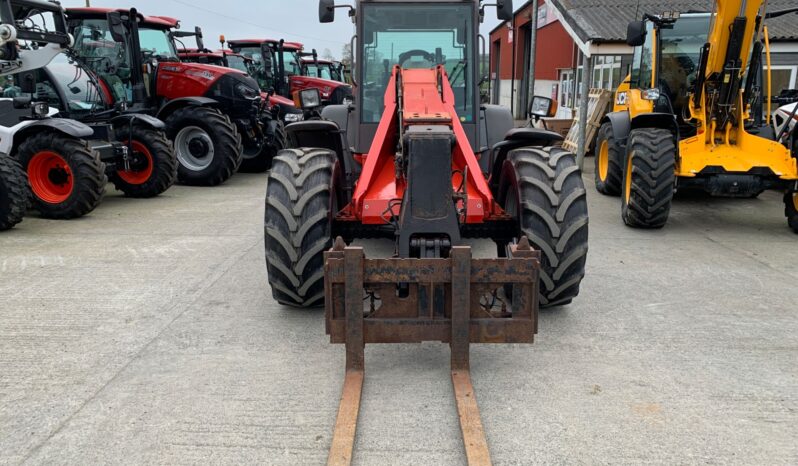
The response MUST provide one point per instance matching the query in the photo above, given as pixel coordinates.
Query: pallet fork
(449, 300)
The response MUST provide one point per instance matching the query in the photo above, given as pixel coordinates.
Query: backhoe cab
(416, 159)
(685, 117)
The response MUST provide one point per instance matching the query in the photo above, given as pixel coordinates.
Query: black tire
(791, 210)
(66, 177)
(153, 167)
(298, 224)
(14, 195)
(609, 162)
(543, 189)
(214, 140)
(260, 161)
(649, 178)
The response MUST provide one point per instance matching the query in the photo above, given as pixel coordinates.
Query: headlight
(308, 99)
(41, 109)
(651, 94)
(294, 117)
(247, 92)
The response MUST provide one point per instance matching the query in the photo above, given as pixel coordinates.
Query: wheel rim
(251, 152)
(194, 148)
(627, 178)
(604, 160)
(795, 201)
(50, 177)
(141, 166)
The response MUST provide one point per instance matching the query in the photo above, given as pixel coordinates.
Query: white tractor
(39, 153)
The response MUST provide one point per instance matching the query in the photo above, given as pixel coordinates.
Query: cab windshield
(157, 43)
(417, 36)
(256, 69)
(109, 59)
(239, 63)
(320, 71)
(681, 52)
(293, 66)
(68, 88)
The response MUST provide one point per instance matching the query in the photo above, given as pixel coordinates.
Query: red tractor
(284, 77)
(215, 116)
(326, 69)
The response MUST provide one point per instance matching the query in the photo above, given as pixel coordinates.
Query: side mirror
(542, 107)
(504, 10)
(116, 26)
(326, 11)
(26, 82)
(636, 33)
(198, 34)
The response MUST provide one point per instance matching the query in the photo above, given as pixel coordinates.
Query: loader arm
(725, 61)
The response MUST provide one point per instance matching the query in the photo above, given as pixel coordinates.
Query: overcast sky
(293, 20)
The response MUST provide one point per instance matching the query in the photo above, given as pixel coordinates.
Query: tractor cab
(280, 68)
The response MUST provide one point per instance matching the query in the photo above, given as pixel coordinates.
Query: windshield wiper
(458, 69)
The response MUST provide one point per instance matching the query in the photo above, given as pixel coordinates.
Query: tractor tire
(791, 210)
(260, 161)
(649, 178)
(153, 166)
(207, 145)
(609, 160)
(13, 193)
(67, 179)
(543, 189)
(298, 224)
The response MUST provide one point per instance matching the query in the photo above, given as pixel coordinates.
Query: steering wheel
(416, 53)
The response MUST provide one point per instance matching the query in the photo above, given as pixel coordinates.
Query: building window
(566, 89)
(783, 77)
(607, 72)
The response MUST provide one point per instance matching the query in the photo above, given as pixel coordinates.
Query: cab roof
(160, 22)
(250, 42)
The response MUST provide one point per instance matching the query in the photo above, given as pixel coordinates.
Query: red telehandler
(429, 168)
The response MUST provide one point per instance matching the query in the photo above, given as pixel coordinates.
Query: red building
(567, 29)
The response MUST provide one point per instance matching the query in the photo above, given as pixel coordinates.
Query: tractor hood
(332, 91)
(277, 99)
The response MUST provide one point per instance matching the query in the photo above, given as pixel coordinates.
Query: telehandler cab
(683, 118)
(429, 168)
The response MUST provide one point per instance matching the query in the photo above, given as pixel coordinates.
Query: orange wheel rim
(50, 177)
(795, 201)
(141, 171)
(628, 179)
(604, 160)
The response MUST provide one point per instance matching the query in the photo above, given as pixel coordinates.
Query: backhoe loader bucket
(456, 300)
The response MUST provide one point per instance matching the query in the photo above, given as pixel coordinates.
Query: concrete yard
(146, 333)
